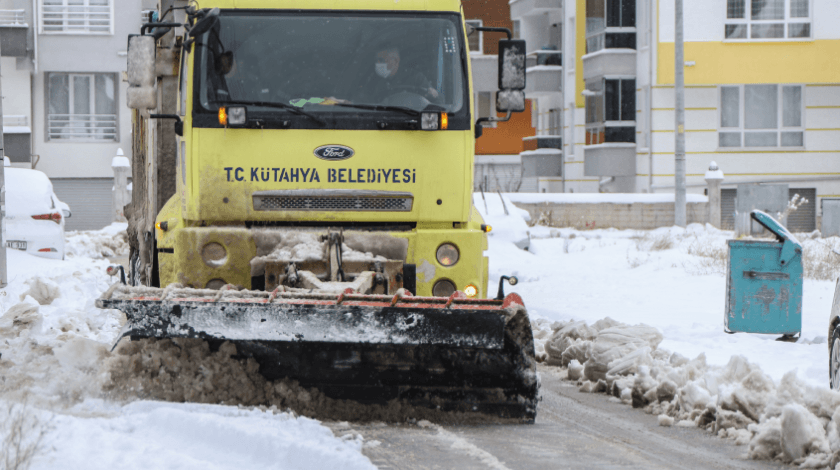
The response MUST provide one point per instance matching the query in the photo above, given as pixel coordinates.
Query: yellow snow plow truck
(302, 175)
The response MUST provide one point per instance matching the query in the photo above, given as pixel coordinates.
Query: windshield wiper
(271, 104)
(380, 107)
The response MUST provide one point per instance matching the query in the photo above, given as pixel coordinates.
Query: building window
(81, 107)
(610, 24)
(476, 39)
(77, 16)
(610, 110)
(761, 116)
(767, 19)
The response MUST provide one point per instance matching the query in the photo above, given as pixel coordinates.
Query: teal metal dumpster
(764, 283)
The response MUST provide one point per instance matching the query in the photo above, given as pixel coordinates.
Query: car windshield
(314, 61)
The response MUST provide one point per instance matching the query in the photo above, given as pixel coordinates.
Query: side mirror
(510, 101)
(511, 64)
(67, 214)
(210, 19)
(142, 93)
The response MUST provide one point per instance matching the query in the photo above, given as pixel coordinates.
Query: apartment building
(499, 152)
(63, 95)
(762, 93)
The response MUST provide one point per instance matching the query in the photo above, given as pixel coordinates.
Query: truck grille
(333, 200)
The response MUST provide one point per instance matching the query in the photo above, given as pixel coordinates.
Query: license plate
(16, 245)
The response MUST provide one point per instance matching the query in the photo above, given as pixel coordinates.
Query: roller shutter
(90, 201)
(727, 209)
(804, 219)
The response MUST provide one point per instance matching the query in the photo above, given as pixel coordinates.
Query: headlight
(237, 116)
(434, 121)
(443, 288)
(471, 291)
(214, 255)
(233, 116)
(215, 284)
(447, 255)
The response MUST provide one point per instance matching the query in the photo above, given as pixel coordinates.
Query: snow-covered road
(54, 356)
(573, 430)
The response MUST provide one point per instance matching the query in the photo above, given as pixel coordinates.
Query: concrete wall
(639, 216)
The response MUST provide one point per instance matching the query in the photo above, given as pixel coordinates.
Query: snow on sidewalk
(639, 315)
(54, 351)
(144, 435)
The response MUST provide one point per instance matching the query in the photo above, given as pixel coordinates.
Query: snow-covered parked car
(34, 215)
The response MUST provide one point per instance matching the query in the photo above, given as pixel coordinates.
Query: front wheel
(834, 360)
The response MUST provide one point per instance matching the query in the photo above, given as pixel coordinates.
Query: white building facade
(762, 93)
(65, 92)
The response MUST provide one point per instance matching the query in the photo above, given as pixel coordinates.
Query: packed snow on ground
(57, 390)
(110, 242)
(640, 315)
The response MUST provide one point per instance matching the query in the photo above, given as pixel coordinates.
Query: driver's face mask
(382, 70)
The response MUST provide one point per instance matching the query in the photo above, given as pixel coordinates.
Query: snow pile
(508, 222)
(55, 357)
(162, 435)
(188, 370)
(107, 243)
(788, 421)
(51, 334)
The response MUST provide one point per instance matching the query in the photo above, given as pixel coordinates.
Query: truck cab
(315, 136)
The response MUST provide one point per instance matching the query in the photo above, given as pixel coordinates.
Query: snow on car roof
(28, 192)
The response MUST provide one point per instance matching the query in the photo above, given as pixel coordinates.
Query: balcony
(619, 62)
(520, 8)
(538, 142)
(610, 159)
(82, 127)
(13, 33)
(76, 19)
(17, 136)
(540, 163)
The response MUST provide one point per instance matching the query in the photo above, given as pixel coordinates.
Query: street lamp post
(679, 88)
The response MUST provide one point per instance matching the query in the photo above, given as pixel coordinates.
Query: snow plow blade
(450, 354)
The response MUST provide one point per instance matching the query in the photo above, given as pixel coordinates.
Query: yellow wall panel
(580, 51)
(753, 62)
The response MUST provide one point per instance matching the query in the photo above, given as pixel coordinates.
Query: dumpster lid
(771, 224)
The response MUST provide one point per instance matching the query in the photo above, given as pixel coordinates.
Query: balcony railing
(11, 120)
(13, 18)
(91, 127)
(79, 19)
(546, 57)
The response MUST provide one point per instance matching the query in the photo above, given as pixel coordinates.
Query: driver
(390, 79)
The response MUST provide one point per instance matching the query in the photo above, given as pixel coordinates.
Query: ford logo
(334, 153)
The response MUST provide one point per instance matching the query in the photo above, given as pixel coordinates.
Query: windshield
(315, 62)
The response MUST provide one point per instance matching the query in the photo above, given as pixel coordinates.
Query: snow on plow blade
(448, 354)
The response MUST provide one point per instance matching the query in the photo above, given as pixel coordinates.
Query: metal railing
(90, 19)
(82, 126)
(13, 18)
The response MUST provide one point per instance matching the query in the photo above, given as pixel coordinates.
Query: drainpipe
(652, 13)
(3, 273)
(35, 37)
